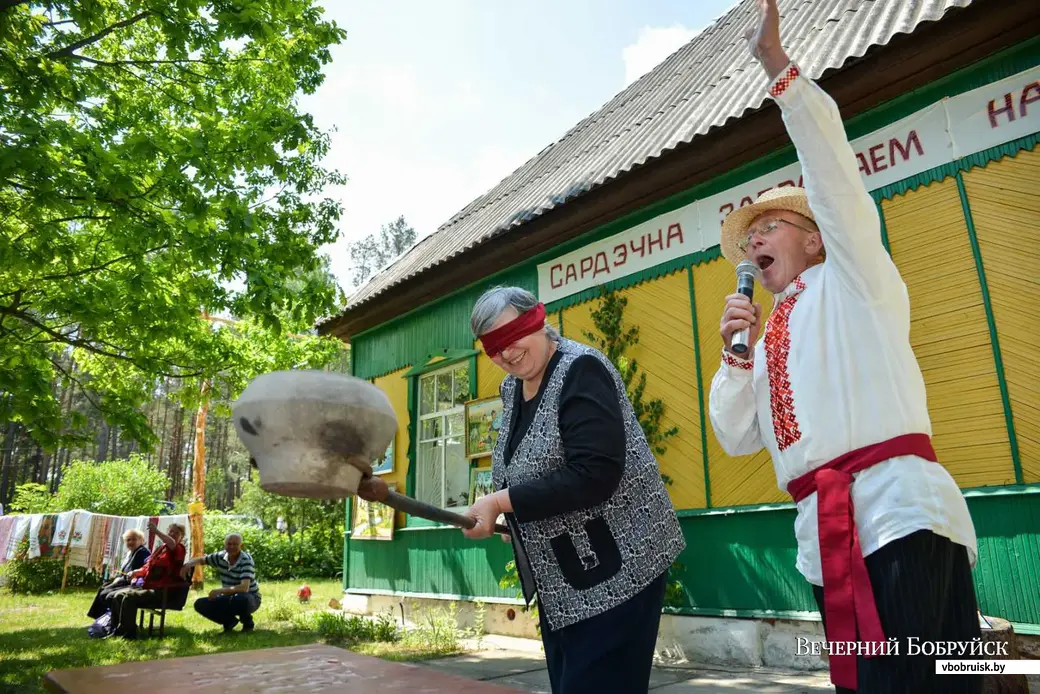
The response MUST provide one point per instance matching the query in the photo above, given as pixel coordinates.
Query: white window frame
(445, 416)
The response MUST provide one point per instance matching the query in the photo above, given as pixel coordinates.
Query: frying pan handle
(414, 507)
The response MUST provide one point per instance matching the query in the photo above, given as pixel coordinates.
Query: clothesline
(90, 540)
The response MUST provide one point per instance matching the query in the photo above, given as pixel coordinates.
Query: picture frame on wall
(480, 483)
(385, 465)
(483, 423)
(372, 520)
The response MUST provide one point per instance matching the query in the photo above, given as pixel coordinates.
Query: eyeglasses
(767, 230)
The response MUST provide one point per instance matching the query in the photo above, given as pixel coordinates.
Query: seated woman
(136, 555)
(145, 590)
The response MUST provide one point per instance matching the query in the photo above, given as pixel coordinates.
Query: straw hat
(734, 229)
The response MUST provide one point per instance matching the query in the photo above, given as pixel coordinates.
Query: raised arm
(844, 211)
(167, 540)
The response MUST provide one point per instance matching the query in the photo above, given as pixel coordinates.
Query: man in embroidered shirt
(239, 596)
(834, 390)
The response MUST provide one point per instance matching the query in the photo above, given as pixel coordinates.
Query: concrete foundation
(740, 642)
(506, 620)
(682, 639)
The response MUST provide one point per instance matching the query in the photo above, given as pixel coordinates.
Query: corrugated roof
(707, 82)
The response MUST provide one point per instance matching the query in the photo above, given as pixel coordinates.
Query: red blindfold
(523, 325)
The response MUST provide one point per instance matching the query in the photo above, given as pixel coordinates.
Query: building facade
(948, 146)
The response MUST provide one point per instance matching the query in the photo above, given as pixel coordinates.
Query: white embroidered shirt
(833, 369)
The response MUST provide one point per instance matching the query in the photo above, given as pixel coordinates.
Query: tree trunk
(175, 453)
(101, 451)
(5, 464)
(37, 459)
(162, 440)
(61, 463)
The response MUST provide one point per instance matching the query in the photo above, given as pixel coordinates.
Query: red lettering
(745, 201)
(801, 181)
(674, 231)
(642, 246)
(724, 211)
(895, 146)
(556, 284)
(1026, 99)
(878, 163)
(586, 266)
(1009, 109)
(572, 274)
(622, 251)
(605, 267)
(863, 163)
(660, 241)
(785, 183)
(765, 191)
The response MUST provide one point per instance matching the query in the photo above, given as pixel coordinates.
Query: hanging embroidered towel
(21, 528)
(35, 524)
(83, 526)
(7, 524)
(62, 532)
(45, 537)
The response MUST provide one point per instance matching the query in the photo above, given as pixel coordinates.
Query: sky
(430, 104)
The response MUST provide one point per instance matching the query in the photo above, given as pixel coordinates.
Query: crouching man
(239, 595)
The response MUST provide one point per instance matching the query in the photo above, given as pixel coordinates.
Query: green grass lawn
(49, 632)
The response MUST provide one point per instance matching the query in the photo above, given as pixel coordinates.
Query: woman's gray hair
(493, 302)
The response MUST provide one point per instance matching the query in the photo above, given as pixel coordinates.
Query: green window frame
(430, 422)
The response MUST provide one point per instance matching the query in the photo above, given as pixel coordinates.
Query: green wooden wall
(737, 563)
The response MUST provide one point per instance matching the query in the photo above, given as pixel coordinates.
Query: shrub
(278, 557)
(115, 487)
(35, 576)
(31, 498)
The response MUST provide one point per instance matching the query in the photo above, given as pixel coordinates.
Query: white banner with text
(938, 134)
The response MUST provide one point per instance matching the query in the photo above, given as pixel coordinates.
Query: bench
(173, 598)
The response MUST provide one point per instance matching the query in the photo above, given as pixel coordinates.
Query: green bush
(35, 576)
(115, 487)
(336, 626)
(277, 556)
(31, 498)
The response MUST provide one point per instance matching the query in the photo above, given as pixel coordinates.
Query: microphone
(747, 273)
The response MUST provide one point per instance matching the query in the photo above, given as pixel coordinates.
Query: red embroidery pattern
(778, 346)
(784, 81)
(730, 360)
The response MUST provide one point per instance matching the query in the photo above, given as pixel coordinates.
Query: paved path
(525, 671)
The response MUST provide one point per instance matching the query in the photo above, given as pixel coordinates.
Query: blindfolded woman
(593, 529)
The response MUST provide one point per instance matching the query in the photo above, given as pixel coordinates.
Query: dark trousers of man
(923, 588)
(104, 594)
(611, 652)
(125, 604)
(229, 610)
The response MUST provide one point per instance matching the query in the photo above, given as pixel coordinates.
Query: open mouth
(516, 361)
(764, 261)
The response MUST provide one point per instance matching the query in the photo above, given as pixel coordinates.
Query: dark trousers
(923, 588)
(102, 601)
(229, 610)
(611, 652)
(125, 604)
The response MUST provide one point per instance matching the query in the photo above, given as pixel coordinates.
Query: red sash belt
(848, 597)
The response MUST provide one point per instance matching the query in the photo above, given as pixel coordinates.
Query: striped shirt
(232, 575)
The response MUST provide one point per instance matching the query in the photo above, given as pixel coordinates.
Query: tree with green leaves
(371, 254)
(155, 168)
